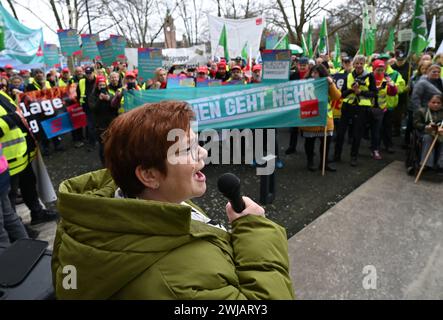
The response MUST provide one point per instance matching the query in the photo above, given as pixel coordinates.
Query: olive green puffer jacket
(138, 249)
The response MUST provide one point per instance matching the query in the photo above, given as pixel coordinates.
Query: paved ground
(389, 223)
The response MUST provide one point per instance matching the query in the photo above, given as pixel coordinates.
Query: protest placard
(149, 59)
(69, 42)
(180, 82)
(106, 51)
(208, 83)
(118, 46)
(285, 104)
(276, 65)
(50, 53)
(89, 46)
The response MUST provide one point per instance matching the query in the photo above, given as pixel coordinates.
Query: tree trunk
(57, 17)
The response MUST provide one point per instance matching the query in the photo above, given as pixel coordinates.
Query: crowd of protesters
(375, 98)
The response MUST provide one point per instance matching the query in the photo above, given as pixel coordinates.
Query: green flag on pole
(244, 51)
(309, 43)
(224, 43)
(390, 46)
(419, 29)
(323, 47)
(283, 44)
(304, 46)
(337, 51)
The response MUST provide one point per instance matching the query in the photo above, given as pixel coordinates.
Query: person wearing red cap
(256, 73)
(9, 70)
(379, 118)
(102, 109)
(202, 73)
(222, 73)
(65, 78)
(129, 84)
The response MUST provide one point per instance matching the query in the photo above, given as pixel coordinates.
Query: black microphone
(229, 185)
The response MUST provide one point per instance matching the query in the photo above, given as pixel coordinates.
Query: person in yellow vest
(385, 88)
(311, 133)
(19, 148)
(339, 79)
(84, 91)
(38, 81)
(65, 78)
(130, 85)
(392, 103)
(114, 83)
(358, 95)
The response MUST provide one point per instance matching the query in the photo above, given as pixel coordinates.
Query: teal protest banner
(285, 104)
(89, 46)
(106, 51)
(149, 59)
(69, 42)
(118, 46)
(50, 53)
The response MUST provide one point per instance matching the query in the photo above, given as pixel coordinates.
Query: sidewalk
(390, 224)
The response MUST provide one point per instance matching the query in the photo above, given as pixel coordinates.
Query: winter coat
(137, 249)
(424, 90)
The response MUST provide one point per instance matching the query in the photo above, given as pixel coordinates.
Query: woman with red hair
(132, 232)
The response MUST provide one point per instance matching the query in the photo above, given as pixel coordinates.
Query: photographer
(359, 94)
(104, 113)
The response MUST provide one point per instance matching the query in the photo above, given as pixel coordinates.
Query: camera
(131, 85)
(104, 90)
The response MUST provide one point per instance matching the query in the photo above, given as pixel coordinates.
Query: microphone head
(229, 185)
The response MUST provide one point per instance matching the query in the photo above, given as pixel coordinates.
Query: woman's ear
(150, 178)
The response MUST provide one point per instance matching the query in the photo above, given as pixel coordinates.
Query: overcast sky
(43, 17)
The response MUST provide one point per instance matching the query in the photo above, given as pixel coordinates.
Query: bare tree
(292, 16)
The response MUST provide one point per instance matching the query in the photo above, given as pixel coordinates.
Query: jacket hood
(111, 241)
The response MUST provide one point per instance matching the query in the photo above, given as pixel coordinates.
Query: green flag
(310, 53)
(283, 44)
(2, 34)
(419, 29)
(224, 43)
(304, 46)
(323, 47)
(337, 50)
(244, 51)
(390, 46)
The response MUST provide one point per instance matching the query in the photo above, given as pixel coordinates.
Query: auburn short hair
(139, 137)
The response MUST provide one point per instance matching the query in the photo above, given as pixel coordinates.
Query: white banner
(193, 56)
(241, 33)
